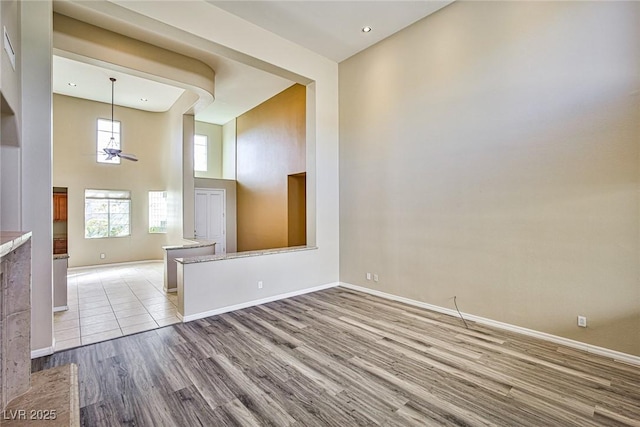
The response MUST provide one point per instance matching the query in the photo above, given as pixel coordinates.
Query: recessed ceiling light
(366, 29)
(143, 99)
(72, 84)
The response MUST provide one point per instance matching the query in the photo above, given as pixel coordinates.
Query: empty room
(311, 213)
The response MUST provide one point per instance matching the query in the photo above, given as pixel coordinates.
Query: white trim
(61, 308)
(46, 351)
(590, 348)
(115, 264)
(240, 306)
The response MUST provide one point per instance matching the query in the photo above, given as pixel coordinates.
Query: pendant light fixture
(111, 149)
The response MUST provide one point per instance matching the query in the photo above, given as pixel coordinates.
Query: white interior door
(201, 212)
(210, 221)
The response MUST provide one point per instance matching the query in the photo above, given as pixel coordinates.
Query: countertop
(11, 240)
(207, 258)
(60, 256)
(193, 244)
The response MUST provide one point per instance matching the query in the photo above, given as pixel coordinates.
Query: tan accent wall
(270, 146)
(74, 166)
(297, 209)
(491, 152)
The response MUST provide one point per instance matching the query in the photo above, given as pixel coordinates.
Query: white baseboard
(115, 264)
(42, 352)
(61, 308)
(240, 306)
(590, 348)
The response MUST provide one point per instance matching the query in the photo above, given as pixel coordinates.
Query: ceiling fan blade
(131, 157)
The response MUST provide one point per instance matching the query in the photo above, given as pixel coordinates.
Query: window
(157, 211)
(103, 138)
(107, 213)
(200, 153)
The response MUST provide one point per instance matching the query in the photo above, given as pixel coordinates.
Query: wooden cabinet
(59, 246)
(59, 207)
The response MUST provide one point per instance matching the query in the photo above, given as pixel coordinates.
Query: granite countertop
(11, 240)
(207, 258)
(60, 256)
(195, 243)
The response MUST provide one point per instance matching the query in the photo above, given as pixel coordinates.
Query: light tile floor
(109, 302)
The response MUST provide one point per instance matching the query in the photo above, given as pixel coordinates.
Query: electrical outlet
(259, 284)
(375, 277)
(582, 321)
(103, 256)
(368, 276)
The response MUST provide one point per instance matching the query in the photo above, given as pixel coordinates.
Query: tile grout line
(98, 276)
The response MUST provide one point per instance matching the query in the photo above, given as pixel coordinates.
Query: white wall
(37, 213)
(491, 152)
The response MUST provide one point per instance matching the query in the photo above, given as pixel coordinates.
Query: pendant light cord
(112, 84)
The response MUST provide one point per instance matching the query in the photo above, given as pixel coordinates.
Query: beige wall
(229, 150)
(214, 30)
(214, 150)
(94, 45)
(490, 152)
(180, 127)
(270, 146)
(188, 196)
(234, 281)
(74, 166)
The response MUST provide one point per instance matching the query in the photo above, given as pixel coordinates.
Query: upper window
(107, 213)
(157, 211)
(200, 153)
(103, 138)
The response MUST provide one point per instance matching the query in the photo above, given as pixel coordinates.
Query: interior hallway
(109, 302)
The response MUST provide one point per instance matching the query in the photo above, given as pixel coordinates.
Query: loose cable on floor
(463, 321)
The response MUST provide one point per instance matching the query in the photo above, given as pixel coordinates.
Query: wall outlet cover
(582, 321)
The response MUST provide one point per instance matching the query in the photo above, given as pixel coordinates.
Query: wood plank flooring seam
(343, 358)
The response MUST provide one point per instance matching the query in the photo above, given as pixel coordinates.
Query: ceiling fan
(112, 150)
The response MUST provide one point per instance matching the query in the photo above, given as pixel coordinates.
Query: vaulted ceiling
(330, 28)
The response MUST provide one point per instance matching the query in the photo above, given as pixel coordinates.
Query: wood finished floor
(342, 358)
